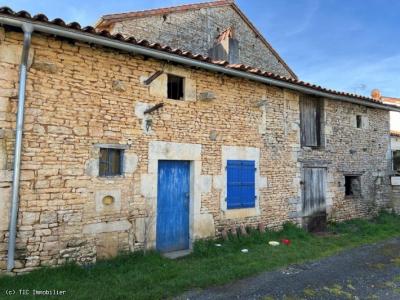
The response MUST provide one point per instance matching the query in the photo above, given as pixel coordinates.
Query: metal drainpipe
(28, 29)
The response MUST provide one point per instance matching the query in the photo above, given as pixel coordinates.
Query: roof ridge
(160, 10)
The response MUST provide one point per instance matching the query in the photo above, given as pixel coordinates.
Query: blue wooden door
(173, 205)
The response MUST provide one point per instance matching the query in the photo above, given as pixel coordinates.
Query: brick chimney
(376, 94)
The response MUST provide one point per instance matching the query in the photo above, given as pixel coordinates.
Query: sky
(347, 45)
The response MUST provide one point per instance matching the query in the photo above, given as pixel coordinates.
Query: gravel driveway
(367, 272)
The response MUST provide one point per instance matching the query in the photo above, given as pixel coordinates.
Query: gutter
(28, 29)
(103, 41)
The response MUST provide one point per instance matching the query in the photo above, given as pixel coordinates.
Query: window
(352, 186)
(175, 87)
(110, 162)
(310, 120)
(396, 161)
(359, 121)
(240, 184)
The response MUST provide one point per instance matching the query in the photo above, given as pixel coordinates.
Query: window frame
(180, 95)
(109, 161)
(245, 172)
(359, 121)
(348, 185)
(396, 161)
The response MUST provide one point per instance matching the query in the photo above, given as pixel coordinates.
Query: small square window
(110, 163)
(359, 121)
(352, 185)
(175, 87)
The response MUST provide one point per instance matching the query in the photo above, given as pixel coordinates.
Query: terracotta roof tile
(166, 10)
(156, 46)
(395, 133)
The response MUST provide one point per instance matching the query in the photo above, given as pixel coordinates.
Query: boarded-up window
(240, 183)
(313, 191)
(396, 161)
(310, 119)
(226, 47)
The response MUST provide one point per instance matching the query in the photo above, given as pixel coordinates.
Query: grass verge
(135, 276)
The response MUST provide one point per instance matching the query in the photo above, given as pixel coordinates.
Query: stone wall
(196, 31)
(348, 150)
(81, 97)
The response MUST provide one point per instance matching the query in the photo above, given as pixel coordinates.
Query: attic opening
(175, 87)
(311, 121)
(226, 46)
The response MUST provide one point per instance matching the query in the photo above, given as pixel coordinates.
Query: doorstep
(177, 254)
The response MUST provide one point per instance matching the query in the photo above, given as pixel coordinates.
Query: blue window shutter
(240, 184)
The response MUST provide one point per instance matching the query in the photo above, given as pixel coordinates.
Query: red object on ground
(286, 242)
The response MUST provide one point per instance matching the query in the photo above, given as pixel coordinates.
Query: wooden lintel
(155, 107)
(152, 77)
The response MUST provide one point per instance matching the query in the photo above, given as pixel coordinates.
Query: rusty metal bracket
(153, 77)
(155, 107)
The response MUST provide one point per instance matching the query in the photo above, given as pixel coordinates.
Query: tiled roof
(166, 10)
(41, 18)
(112, 18)
(395, 133)
(391, 100)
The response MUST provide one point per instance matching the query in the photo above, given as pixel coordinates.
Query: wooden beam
(152, 77)
(155, 107)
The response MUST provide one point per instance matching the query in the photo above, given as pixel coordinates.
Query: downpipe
(23, 69)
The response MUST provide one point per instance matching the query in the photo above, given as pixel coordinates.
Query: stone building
(128, 144)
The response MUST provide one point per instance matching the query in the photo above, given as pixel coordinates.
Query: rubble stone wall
(80, 98)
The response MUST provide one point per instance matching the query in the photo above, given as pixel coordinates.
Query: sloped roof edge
(112, 18)
(164, 10)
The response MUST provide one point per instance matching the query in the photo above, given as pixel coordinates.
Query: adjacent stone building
(395, 144)
(128, 144)
(218, 29)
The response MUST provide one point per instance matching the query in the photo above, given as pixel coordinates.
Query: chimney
(376, 94)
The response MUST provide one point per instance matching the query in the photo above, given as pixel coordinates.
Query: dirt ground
(367, 272)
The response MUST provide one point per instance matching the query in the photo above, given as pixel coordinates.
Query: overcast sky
(351, 45)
